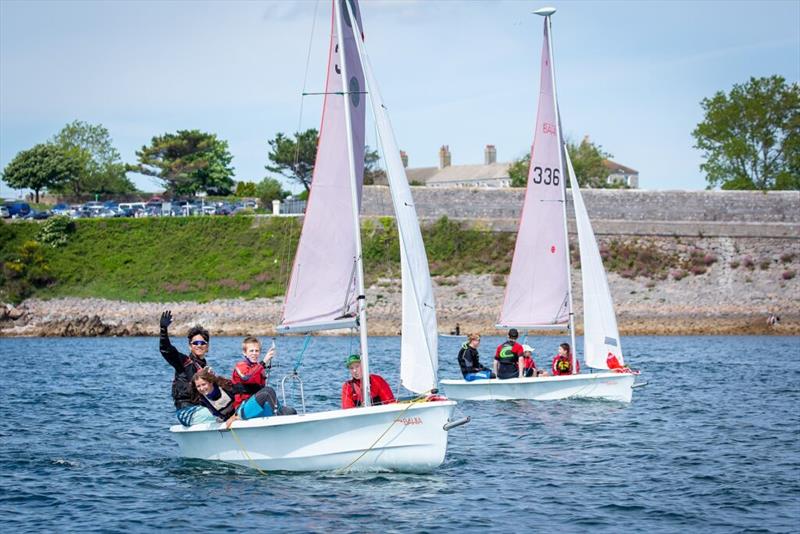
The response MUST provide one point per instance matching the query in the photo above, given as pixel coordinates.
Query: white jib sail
(322, 289)
(420, 341)
(537, 292)
(600, 332)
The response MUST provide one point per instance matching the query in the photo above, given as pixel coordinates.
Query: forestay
(322, 289)
(537, 292)
(601, 335)
(419, 341)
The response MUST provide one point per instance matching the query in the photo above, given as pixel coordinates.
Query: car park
(18, 209)
(60, 209)
(4, 213)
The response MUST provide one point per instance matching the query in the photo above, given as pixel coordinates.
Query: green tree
(245, 189)
(188, 162)
(269, 189)
(518, 171)
(587, 160)
(295, 158)
(41, 167)
(101, 169)
(371, 170)
(750, 137)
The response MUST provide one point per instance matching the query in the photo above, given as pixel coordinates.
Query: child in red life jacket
(352, 396)
(562, 363)
(528, 365)
(249, 371)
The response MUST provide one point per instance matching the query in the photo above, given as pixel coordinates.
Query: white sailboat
(326, 292)
(539, 292)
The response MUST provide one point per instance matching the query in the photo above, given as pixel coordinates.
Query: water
(710, 444)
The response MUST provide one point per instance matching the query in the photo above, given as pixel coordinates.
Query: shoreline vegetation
(114, 277)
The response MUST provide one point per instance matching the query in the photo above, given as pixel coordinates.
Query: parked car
(60, 209)
(18, 209)
(4, 213)
(37, 215)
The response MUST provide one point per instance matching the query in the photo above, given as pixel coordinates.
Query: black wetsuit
(468, 360)
(185, 368)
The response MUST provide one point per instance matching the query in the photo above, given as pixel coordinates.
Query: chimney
(489, 155)
(404, 158)
(444, 156)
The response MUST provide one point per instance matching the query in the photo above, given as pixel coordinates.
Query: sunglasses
(199, 343)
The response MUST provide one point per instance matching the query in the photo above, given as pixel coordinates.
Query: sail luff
(419, 340)
(549, 39)
(600, 332)
(354, 187)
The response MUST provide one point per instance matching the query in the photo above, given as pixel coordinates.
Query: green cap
(353, 358)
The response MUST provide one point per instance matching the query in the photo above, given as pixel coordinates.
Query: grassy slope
(203, 258)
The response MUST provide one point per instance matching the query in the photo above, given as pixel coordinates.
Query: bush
(26, 272)
(679, 274)
(748, 263)
(788, 274)
(787, 257)
(764, 264)
(55, 231)
(734, 264)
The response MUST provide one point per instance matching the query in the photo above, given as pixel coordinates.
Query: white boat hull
(609, 386)
(393, 437)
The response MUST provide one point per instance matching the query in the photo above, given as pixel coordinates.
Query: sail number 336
(546, 176)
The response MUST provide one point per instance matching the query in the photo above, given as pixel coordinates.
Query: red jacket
(378, 388)
(557, 372)
(246, 372)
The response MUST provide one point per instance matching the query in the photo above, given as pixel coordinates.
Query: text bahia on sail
(326, 291)
(538, 292)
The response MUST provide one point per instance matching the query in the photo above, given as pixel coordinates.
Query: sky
(629, 74)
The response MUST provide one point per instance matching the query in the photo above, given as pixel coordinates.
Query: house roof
(469, 173)
(613, 166)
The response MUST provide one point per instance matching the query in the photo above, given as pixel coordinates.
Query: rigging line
(305, 81)
(241, 448)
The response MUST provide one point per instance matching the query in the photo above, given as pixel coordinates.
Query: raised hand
(269, 355)
(166, 319)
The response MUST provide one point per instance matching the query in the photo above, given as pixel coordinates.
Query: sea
(710, 444)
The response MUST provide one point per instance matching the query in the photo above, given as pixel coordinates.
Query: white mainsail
(419, 340)
(600, 332)
(322, 291)
(538, 292)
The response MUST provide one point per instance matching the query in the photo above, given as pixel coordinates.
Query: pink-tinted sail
(322, 290)
(537, 293)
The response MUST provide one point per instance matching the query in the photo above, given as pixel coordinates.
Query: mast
(548, 12)
(361, 299)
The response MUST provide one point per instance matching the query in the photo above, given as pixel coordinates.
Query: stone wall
(634, 212)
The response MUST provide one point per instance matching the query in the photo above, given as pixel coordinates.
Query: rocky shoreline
(698, 305)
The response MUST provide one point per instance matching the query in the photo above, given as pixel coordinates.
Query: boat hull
(609, 386)
(394, 437)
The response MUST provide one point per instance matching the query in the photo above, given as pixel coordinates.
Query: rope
(241, 448)
(299, 359)
(396, 419)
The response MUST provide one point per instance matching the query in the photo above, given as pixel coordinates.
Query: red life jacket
(562, 365)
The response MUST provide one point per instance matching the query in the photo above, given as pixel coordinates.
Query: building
(620, 174)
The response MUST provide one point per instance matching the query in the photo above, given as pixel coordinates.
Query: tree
(188, 162)
(587, 160)
(101, 169)
(295, 158)
(270, 189)
(43, 166)
(750, 137)
(245, 189)
(371, 170)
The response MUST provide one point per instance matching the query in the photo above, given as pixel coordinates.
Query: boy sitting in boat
(379, 390)
(471, 367)
(508, 359)
(528, 365)
(562, 362)
(249, 371)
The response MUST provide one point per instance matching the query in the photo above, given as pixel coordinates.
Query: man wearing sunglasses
(187, 410)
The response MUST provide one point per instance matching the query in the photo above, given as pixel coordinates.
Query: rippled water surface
(711, 445)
